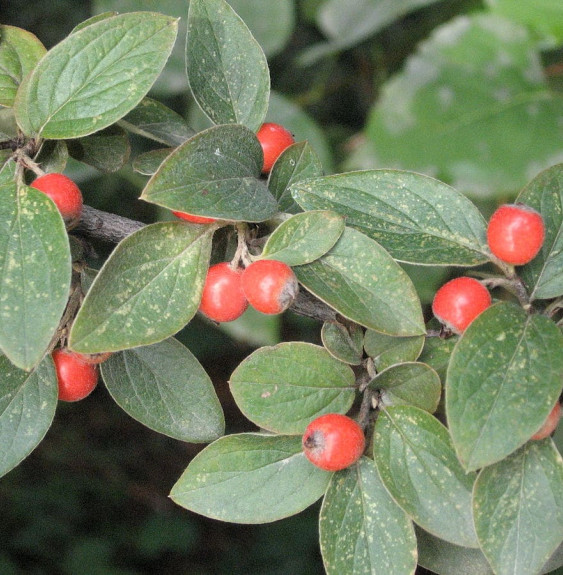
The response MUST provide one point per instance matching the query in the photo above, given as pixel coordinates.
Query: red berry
(194, 219)
(223, 298)
(550, 423)
(274, 139)
(65, 193)
(270, 286)
(515, 234)
(458, 302)
(76, 378)
(333, 442)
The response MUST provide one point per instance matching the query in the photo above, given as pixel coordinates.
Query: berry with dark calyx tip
(223, 298)
(96, 358)
(194, 219)
(550, 424)
(333, 442)
(515, 234)
(274, 139)
(270, 286)
(76, 378)
(458, 302)
(65, 194)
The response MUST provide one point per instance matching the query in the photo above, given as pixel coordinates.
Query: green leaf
(361, 281)
(544, 17)
(155, 121)
(303, 238)
(107, 150)
(27, 406)
(462, 108)
(387, 350)
(93, 20)
(418, 466)
(296, 163)
(20, 51)
(165, 388)
(416, 218)
(146, 291)
(95, 76)
(445, 558)
(35, 269)
(250, 478)
(52, 156)
(518, 506)
(227, 70)
(214, 174)
(505, 374)
(283, 388)
(437, 352)
(149, 162)
(362, 530)
(544, 274)
(271, 23)
(345, 343)
(409, 383)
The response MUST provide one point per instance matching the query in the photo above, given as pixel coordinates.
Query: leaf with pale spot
(147, 290)
(362, 530)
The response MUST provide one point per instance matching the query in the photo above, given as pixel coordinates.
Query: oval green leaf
(518, 506)
(361, 281)
(215, 174)
(35, 268)
(386, 350)
(415, 218)
(149, 162)
(343, 342)
(107, 150)
(95, 76)
(28, 401)
(418, 466)
(283, 388)
(437, 352)
(227, 70)
(303, 238)
(411, 383)
(147, 290)
(165, 388)
(250, 478)
(505, 374)
(544, 274)
(20, 51)
(362, 530)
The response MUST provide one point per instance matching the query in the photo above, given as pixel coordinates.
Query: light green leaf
(345, 343)
(416, 218)
(35, 269)
(147, 290)
(227, 70)
(410, 383)
(418, 466)
(95, 76)
(518, 506)
(93, 20)
(20, 51)
(149, 162)
(361, 281)
(386, 350)
(505, 374)
(362, 530)
(463, 108)
(165, 388)
(27, 406)
(283, 388)
(214, 174)
(304, 238)
(250, 478)
(544, 274)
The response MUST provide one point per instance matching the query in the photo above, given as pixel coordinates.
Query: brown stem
(105, 226)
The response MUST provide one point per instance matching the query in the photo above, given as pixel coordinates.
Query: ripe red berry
(333, 442)
(550, 423)
(274, 139)
(515, 234)
(270, 286)
(76, 378)
(65, 193)
(458, 302)
(223, 298)
(194, 219)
